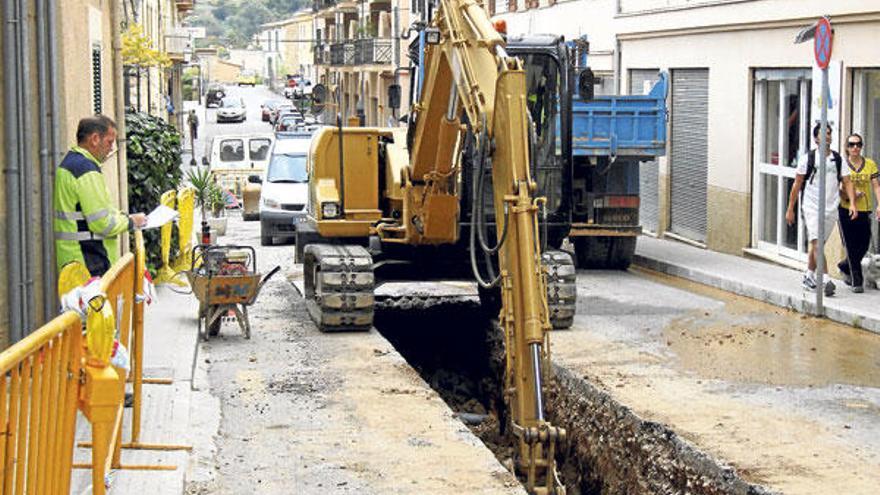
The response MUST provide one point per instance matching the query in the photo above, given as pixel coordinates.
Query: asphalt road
(791, 402)
(209, 128)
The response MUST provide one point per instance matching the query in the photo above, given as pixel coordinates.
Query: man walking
(87, 224)
(193, 121)
(807, 185)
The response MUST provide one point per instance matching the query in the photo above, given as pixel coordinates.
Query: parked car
(303, 89)
(247, 78)
(282, 107)
(268, 107)
(214, 96)
(232, 109)
(232, 158)
(289, 122)
(284, 191)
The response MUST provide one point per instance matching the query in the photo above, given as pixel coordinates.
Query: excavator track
(561, 288)
(339, 285)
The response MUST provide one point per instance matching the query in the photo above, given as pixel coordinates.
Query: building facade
(150, 89)
(268, 41)
(356, 56)
(53, 73)
(297, 45)
(743, 99)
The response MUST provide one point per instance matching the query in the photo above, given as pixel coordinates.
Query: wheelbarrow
(225, 281)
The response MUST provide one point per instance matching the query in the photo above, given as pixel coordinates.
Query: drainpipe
(13, 168)
(618, 64)
(119, 97)
(47, 117)
(27, 174)
(58, 144)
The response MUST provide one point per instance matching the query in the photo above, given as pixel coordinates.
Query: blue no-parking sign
(823, 42)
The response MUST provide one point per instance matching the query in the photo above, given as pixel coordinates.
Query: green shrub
(153, 152)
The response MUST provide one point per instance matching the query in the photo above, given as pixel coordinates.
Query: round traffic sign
(823, 42)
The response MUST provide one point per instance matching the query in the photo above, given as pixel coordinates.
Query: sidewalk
(172, 414)
(760, 280)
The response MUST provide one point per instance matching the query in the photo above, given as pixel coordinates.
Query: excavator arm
(467, 71)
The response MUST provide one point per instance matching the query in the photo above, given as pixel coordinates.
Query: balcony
(319, 5)
(184, 7)
(343, 53)
(372, 51)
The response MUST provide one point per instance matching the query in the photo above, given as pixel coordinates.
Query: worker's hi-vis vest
(86, 222)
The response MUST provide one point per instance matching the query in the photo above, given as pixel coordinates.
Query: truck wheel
(265, 240)
(591, 252)
(604, 253)
(623, 250)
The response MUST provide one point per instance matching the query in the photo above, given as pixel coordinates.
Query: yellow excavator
(385, 204)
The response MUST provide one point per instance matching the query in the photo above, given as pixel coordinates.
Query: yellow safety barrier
(38, 403)
(186, 207)
(166, 274)
(54, 372)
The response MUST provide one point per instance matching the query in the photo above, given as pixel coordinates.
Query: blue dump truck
(587, 150)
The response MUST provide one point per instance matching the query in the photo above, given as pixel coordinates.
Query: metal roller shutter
(649, 205)
(689, 157)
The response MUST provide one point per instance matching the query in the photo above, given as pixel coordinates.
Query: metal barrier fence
(54, 372)
(38, 404)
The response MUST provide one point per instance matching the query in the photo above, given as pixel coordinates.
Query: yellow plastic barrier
(53, 372)
(186, 207)
(46, 379)
(166, 274)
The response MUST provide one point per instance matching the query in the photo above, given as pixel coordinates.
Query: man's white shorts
(811, 222)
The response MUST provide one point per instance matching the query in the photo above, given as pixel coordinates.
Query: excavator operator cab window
(543, 84)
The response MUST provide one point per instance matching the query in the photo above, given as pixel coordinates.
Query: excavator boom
(471, 92)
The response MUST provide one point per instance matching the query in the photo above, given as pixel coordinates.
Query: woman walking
(857, 232)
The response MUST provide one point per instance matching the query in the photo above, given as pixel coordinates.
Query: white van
(233, 158)
(285, 189)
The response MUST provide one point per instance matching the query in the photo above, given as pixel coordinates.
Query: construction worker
(87, 223)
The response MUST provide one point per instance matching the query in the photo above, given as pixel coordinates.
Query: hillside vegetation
(233, 23)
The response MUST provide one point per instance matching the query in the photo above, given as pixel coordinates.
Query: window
(287, 168)
(542, 102)
(231, 150)
(781, 135)
(259, 148)
(866, 121)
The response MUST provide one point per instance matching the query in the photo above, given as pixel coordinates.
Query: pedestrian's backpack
(811, 167)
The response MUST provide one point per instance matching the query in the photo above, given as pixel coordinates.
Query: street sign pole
(823, 146)
(822, 44)
(823, 39)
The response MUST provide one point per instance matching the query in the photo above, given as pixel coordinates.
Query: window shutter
(96, 79)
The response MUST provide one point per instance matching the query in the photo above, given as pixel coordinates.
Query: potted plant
(217, 206)
(209, 198)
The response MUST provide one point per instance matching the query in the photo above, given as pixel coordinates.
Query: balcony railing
(343, 53)
(372, 51)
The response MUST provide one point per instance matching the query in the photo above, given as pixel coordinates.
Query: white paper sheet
(160, 216)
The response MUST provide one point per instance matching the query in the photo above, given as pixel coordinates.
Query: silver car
(232, 109)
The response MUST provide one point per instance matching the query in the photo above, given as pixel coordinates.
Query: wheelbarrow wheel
(213, 328)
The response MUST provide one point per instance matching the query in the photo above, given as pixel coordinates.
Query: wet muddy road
(788, 401)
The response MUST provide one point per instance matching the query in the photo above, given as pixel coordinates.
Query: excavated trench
(459, 352)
